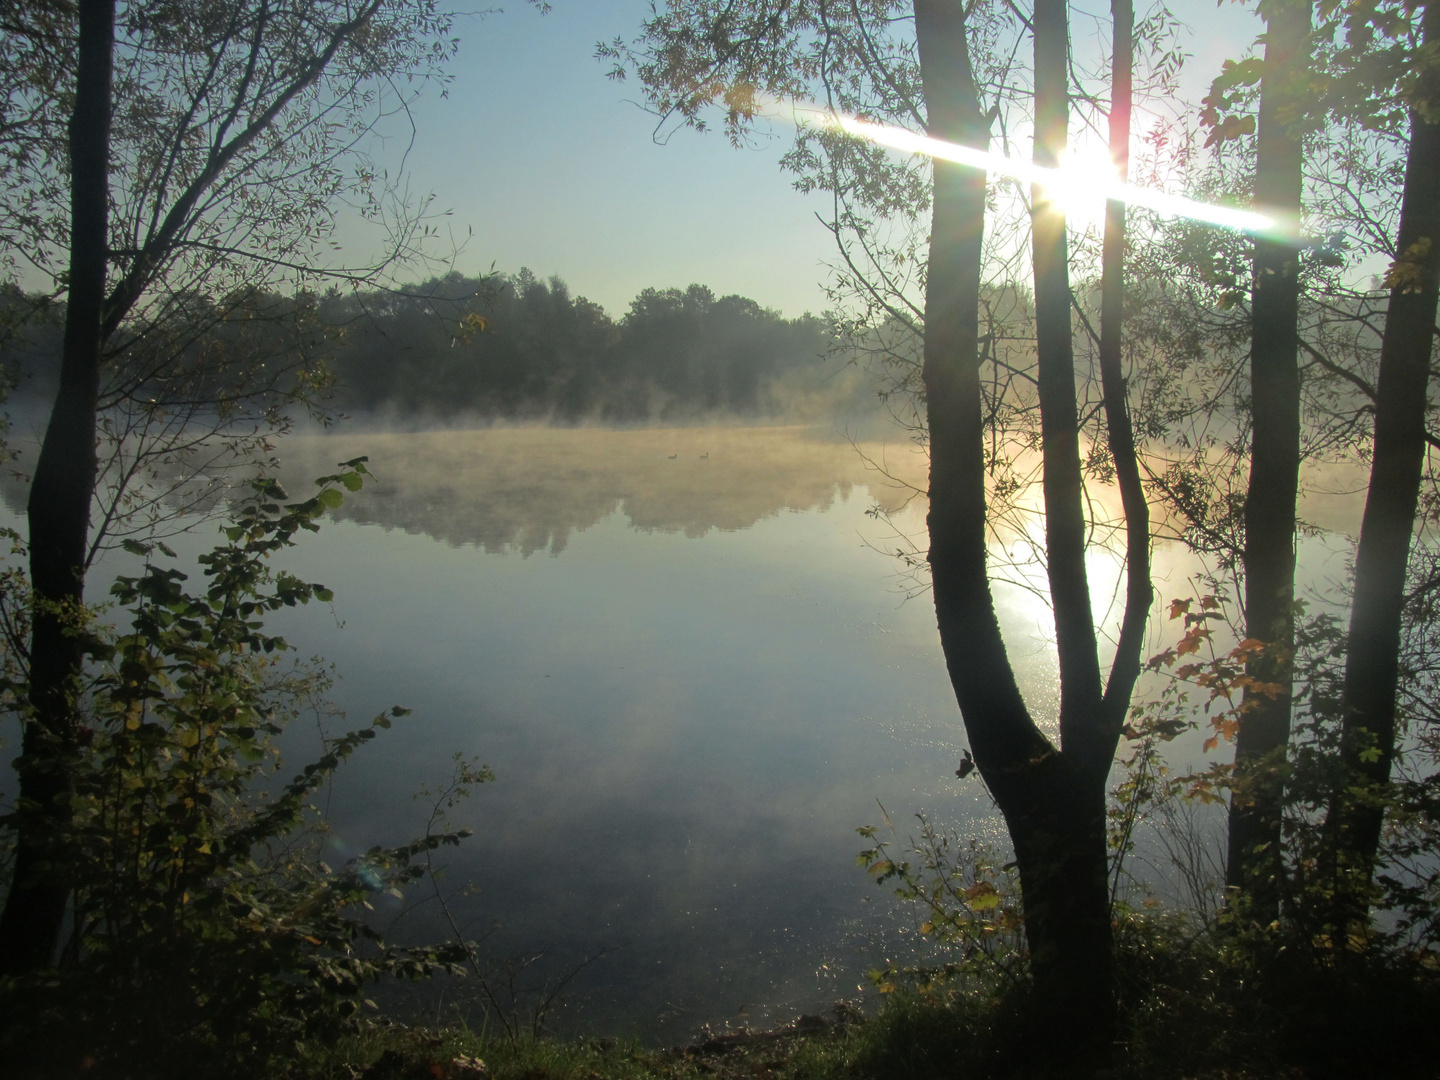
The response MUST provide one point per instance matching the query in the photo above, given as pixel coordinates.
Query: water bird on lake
(705, 455)
(674, 456)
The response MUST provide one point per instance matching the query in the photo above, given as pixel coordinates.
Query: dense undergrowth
(1193, 1008)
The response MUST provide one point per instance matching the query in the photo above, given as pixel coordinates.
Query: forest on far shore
(503, 347)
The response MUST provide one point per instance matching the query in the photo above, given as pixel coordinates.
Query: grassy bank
(1192, 1010)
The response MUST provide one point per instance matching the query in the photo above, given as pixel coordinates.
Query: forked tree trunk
(1053, 801)
(1255, 855)
(59, 514)
(1372, 658)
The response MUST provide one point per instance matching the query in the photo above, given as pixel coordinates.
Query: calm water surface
(689, 659)
(694, 676)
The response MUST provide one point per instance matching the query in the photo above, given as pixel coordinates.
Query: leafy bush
(968, 922)
(205, 935)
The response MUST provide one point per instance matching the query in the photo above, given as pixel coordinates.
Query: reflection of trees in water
(529, 489)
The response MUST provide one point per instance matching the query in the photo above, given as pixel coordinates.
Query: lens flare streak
(1063, 178)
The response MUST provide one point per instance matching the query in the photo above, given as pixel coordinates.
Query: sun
(1084, 181)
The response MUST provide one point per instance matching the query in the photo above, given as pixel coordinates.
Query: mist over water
(530, 489)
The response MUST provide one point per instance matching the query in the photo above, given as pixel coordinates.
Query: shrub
(205, 935)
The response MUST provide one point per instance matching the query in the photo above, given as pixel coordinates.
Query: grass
(1192, 1009)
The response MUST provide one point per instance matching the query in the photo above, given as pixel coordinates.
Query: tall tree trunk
(1138, 590)
(1367, 745)
(1080, 690)
(59, 513)
(1255, 858)
(1064, 831)
(1053, 801)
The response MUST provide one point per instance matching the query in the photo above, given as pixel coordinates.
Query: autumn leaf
(1192, 641)
(982, 896)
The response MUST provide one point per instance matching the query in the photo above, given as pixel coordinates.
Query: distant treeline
(517, 347)
(521, 347)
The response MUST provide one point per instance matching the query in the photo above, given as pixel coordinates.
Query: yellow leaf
(983, 896)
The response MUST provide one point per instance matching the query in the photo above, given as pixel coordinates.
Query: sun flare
(1083, 178)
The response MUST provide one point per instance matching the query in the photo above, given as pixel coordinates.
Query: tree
(1333, 826)
(1052, 797)
(1336, 96)
(212, 171)
(1368, 699)
(1255, 848)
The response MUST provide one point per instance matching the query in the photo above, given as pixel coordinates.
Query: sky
(552, 166)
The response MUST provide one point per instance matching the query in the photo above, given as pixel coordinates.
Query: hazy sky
(555, 168)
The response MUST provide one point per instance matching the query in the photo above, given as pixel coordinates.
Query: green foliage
(521, 347)
(967, 906)
(203, 930)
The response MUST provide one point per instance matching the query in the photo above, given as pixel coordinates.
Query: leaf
(330, 498)
(1192, 640)
(1178, 608)
(966, 766)
(982, 896)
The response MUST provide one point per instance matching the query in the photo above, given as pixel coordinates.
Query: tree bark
(1367, 746)
(59, 516)
(1255, 857)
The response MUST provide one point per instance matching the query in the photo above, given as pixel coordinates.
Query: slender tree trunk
(1138, 590)
(1080, 690)
(59, 513)
(1367, 745)
(1053, 802)
(1255, 859)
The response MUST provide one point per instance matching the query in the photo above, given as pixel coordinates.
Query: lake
(695, 664)
(693, 674)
